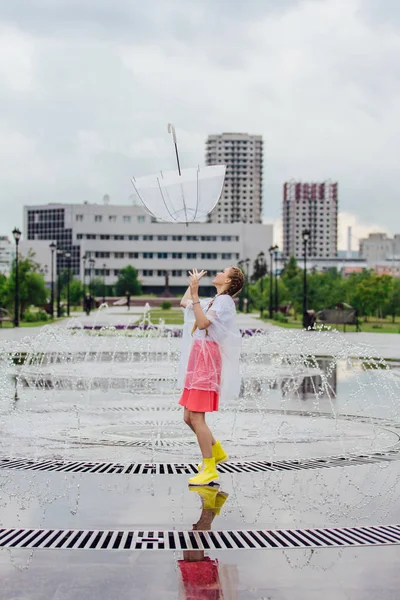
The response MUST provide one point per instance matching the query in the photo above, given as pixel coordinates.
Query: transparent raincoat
(210, 358)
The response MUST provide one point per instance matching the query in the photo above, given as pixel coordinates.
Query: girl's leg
(204, 436)
(186, 418)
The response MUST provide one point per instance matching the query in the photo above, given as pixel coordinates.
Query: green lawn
(382, 326)
(173, 316)
(8, 325)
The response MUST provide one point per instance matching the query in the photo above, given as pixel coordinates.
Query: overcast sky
(87, 88)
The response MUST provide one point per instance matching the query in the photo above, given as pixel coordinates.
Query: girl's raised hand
(194, 274)
(194, 280)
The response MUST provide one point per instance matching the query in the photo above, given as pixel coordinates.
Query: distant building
(241, 198)
(312, 206)
(342, 264)
(378, 247)
(6, 255)
(388, 268)
(117, 236)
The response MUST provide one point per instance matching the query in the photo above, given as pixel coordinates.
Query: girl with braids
(209, 368)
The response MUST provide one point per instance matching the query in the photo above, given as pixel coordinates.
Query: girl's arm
(186, 298)
(201, 320)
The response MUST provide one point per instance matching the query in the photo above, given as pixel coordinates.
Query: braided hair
(234, 288)
(237, 282)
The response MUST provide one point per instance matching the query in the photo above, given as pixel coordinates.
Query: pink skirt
(203, 377)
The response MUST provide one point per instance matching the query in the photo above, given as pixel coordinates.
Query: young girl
(209, 366)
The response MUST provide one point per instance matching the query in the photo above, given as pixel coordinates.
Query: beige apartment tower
(241, 198)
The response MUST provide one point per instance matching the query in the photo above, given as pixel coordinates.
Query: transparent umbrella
(186, 196)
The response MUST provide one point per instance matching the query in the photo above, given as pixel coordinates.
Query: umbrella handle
(171, 129)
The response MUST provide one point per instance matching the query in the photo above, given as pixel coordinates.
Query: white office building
(241, 198)
(6, 255)
(117, 236)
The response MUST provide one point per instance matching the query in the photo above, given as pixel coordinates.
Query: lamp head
(53, 246)
(306, 235)
(17, 234)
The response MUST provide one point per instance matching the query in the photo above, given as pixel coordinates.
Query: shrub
(280, 317)
(166, 305)
(34, 317)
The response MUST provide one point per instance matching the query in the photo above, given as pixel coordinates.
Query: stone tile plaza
(95, 458)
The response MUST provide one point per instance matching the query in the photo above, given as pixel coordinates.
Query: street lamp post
(271, 268)
(306, 237)
(247, 261)
(59, 255)
(68, 257)
(104, 283)
(92, 263)
(17, 237)
(53, 246)
(276, 279)
(84, 259)
(240, 265)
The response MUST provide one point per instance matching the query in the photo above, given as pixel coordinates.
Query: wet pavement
(112, 403)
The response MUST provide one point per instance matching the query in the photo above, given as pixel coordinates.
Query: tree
(260, 268)
(393, 304)
(372, 294)
(259, 293)
(97, 286)
(76, 292)
(32, 288)
(128, 282)
(291, 270)
(4, 297)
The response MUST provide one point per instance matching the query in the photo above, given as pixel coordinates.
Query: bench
(5, 317)
(341, 315)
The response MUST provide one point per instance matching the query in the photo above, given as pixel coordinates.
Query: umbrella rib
(140, 197)
(197, 195)
(165, 204)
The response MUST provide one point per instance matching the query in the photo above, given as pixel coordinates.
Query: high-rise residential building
(312, 206)
(116, 236)
(241, 198)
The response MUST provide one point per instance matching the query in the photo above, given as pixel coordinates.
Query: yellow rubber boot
(208, 474)
(220, 500)
(208, 495)
(218, 453)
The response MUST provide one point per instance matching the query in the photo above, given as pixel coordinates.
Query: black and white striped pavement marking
(92, 539)
(113, 468)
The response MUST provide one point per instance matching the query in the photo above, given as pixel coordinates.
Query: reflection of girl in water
(204, 578)
(209, 366)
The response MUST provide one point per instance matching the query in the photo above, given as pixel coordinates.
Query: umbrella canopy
(185, 198)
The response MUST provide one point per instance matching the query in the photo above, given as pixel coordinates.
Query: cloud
(16, 60)
(92, 86)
